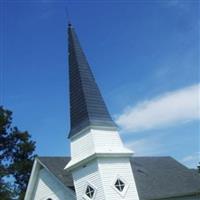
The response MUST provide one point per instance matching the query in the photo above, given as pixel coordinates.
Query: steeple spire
(87, 107)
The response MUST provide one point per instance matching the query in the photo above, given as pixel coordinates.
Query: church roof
(56, 166)
(87, 107)
(155, 177)
(163, 177)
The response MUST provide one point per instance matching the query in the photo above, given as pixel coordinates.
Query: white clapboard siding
(96, 141)
(49, 187)
(110, 159)
(88, 174)
(113, 168)
(82, 146)
(101, 173)
(107, 141)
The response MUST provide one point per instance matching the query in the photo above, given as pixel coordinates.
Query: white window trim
(122, 193)
(95, 191)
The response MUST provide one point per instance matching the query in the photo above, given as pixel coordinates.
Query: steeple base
(107, 178)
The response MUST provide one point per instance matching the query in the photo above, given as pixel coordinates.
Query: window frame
(126, 185)
(120, 185)
(85, 188)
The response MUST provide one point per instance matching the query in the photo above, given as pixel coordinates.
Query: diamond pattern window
(119, 184)
(89, 192)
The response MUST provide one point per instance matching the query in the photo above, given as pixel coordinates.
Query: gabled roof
(87, 107)
(156, 177)
(56, 165)
(55, 170)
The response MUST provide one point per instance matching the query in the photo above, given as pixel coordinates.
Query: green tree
(16, 158)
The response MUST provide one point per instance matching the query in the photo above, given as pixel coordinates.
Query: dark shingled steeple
(87, 107)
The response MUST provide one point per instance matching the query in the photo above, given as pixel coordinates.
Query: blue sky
(144, 55)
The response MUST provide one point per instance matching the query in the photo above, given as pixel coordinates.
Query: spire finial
(68, 16)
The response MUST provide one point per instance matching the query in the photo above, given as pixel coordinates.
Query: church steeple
(99, 159)
(87, 107)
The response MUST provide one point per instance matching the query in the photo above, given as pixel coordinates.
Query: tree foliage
(16, 158)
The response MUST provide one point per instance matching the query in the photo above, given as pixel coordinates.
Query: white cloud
(191, 160)
(168, 109)
(154, 146)
(146, 146)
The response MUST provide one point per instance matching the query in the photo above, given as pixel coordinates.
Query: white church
(100, 166)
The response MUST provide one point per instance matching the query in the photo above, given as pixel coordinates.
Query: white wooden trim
(68, 190)
(32, 180)
(74, 164)
(34, 176)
